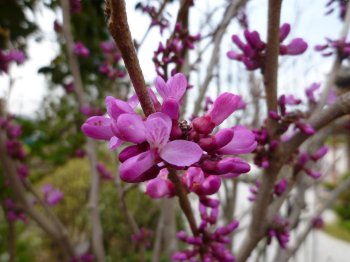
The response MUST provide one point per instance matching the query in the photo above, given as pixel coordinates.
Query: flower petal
(160, 187)
(181, 153)
(175, 87)
(116, 107)
(243, 142)
(98, 127)
(158, 128)
(114, 143)
(171, 107)
(139, 168)
(223, 107)
(130, 127)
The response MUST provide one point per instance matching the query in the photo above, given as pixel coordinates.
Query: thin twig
(97, 231)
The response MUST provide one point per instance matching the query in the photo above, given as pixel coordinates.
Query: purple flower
(222, 108)
(310, 92)
(157, 133)
(80, 49)
(200, 183)
(296, 47)
(320, 153)
(243, 142)
(52, 196)
(160, 186)
(103, 172)
(280, 187)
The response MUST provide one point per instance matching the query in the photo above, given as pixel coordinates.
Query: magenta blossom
(52, 196)
(156, 131)
(80, 49)
(253, 52)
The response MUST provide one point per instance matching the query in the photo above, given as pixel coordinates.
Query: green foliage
(15, 26)
(337, 230)
(73, 179)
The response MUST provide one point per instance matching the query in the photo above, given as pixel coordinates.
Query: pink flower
(80, 49)
(296, 47)
(320, 153)
(200, 183)
(243, 142)
(222, 108)
(160, 186)
(310, 92)
(157, 133)
(52, 196)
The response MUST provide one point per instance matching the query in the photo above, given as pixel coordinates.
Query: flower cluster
(305, 157)
(279, 230)
(14, 147)
(161, 142)
(339, 47)
(75, 6)
(103, 172)
(6, 57)
(142, 237)
(279, 188)
(111, 67)
(52, 196)
(171, 53)
(253, 53)
(342, 7)
(216, 241)
(80, 49)
(13, 212)
(317, 222)
(157, 17)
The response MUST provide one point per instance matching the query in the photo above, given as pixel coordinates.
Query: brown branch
(257, 226)
(9, 168)
(342, 187)
(230, 12)
(118, 26)
(183, 200)
(270, 70)
(97, 232)
(336, 64)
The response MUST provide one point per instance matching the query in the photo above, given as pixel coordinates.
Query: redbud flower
(80, 49)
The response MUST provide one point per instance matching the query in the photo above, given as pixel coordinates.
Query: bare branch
(97, 232)
(230, 12)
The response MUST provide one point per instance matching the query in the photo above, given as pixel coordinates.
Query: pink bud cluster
(317, 222)
(6, 57)
(104, 173)
(171, 53)
(111, 67)
(14, 146)
(13, 213)
(75, 6)
(52, 196)
(279, 230)
(80, 49)
(304, 158)
(158, 19)
(162, 142)
(210, 245)
(279, 188)
(342, 7)
(84, 257)
(143, 237)
(284, 119)
(338, 47)
(91, 111)
(254, 50)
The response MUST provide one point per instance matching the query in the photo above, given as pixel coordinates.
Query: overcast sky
(307, 19)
